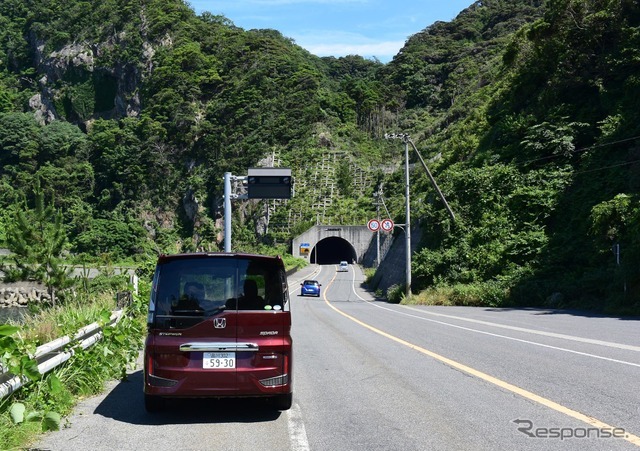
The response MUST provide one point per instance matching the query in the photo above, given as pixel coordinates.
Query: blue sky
(370, 28)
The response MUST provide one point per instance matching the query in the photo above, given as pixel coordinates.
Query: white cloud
(357, 29)
(384, 51)
(292, 2)
(340, 43)
(204, 4)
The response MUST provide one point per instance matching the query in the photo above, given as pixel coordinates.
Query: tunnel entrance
(332, 250)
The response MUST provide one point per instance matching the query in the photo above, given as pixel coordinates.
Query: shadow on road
(550, 311)
(125, 403)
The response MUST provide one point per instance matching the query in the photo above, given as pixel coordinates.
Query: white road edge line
(624, 362)
(297, 431)
(295, 423)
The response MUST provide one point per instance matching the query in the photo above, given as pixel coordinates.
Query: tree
(37, 239)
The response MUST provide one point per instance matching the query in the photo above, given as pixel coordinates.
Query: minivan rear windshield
(206, 286)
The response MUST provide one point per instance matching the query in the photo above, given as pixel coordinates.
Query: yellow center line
(488, 378)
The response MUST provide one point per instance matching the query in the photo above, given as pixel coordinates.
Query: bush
(479, 294)
(395, 293)
(368, 274)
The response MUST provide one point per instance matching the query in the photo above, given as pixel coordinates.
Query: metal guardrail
(56, 352)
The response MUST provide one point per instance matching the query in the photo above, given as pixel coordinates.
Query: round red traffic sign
(373, 225)
(387, 225)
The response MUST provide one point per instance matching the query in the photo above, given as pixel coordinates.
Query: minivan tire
(282, 402)
(153, 404)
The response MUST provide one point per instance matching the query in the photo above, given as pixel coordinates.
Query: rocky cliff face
(77, 84)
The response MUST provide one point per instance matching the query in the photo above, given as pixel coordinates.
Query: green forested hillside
(544, 168)
(130, 112)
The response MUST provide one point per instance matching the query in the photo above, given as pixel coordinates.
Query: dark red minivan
(219, 325)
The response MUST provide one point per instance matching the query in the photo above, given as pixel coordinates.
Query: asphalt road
(374, 376)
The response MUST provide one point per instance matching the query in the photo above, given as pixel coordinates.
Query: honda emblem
(220, 323)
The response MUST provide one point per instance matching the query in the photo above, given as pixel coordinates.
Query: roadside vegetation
(37, 242)
(42, 403)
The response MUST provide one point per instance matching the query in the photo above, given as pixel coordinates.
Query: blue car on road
(310, 288)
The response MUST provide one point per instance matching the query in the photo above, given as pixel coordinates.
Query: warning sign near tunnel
(387, 225)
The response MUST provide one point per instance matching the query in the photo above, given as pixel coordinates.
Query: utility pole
(406, 139)
(407, 231)
(407, 225)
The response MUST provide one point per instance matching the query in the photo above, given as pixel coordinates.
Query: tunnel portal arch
(332, 250)
(329, 244)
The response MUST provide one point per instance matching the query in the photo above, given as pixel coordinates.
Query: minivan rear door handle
(204, 346)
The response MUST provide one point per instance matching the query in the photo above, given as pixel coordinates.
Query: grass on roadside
(43, 404)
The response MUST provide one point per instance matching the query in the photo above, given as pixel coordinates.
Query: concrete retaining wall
(392, 270)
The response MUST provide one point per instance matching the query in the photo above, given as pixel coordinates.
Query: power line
(574, 172)
(584, 149)
(607, 167)
(469, 190)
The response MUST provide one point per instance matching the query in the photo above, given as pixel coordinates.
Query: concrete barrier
(20, 294)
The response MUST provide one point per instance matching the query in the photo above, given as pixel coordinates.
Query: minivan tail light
(276, 381)
(150, 364)
(161, 381)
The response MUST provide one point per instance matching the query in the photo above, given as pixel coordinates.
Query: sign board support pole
(262, 183)
(378, 232)
(227, 211)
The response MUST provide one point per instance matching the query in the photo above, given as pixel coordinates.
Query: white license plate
(219, 360)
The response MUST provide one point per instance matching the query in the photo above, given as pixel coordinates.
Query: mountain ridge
(128, 118)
